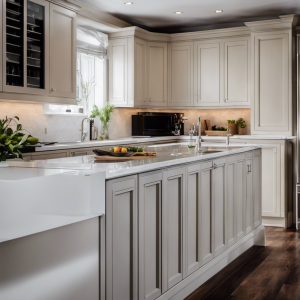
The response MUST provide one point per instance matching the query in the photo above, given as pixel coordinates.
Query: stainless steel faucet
(84, 133)
(228, 136)
(199, 150)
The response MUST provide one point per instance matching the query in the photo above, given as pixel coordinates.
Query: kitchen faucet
(228, 136)
(199, 150)
(84, 133)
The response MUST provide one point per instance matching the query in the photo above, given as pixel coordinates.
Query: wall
(121, 122)
(66, 129)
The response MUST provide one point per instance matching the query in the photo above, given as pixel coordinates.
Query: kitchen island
(172, 221)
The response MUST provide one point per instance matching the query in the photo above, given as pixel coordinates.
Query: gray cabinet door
(150, 198)
(256, 177)
(173, 211)
(121, 239)
(219, 202)
(240, 192)
(231, 201)
(206, 213)
(249, 199)
(193, 213)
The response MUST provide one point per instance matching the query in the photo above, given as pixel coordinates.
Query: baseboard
(274, 221)
(193, 281)
(290, 219)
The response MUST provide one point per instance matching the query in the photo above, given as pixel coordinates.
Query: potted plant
(232, 126)
(241, 126)
(104, 115)
(12, 141)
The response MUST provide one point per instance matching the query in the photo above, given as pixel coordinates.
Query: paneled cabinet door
(157, 74)
(240, 194)
(249, 198)
(231, 200)
(206, 213)
(206, 74)
(193, 213)
(256, 177)
(118, 69)
(62, 52)
(219, 203)
(173, 212)
(121, 239)
(150, 201)
(237, 71)
(271, 181)
(180, 74)
(140, 64)
(272, 110)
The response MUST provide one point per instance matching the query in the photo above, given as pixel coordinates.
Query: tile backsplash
(66, 128)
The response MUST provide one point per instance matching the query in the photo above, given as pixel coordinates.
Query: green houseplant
(241, 126)
(104, 115)
(12, 141)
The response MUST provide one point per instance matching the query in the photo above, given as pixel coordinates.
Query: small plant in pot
(241, 126)
(104, 115)
(232, 126)
(12, 141)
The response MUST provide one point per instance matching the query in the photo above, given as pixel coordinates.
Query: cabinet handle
(53, 90)
(150, 100)
(215, 166)
(225, 100)
(72, 153)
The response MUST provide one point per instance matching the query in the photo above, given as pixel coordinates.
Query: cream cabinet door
(157, 74)
(237, 73)
(150, 201)
(118, 69)
(121, 239)
(62, 52)
(140, 72)
(193, 213)
(173, 216)
(180, 73)
(206, 74)
(272, 110)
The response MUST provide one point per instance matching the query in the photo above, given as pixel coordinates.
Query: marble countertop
(135, 140)
(163, 159)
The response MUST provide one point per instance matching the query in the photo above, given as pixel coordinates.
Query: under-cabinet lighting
(128, 3)
(178, 12)
(219, 11)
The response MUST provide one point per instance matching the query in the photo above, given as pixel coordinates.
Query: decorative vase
(104, 135)
(242, 131)
(233, 128)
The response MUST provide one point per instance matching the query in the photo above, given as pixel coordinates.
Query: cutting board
(137, 155)
(215, 133)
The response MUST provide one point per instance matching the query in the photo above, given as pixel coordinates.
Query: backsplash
(66, 128)
(121, 122)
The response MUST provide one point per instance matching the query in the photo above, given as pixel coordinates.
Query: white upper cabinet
(62, 52)
(180, 74)
(157, 74)
(206, 74)
(118, 68)
(237, 73)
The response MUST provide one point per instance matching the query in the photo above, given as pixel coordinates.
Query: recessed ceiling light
(219, 11)
(128, 3)
(178, 12)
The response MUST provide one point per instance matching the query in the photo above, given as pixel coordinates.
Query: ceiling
(158, 15)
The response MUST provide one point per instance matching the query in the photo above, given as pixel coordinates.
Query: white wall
(66, 129)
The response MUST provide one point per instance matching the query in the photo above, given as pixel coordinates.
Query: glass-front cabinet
(25, 46)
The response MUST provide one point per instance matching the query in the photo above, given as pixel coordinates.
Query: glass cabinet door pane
(35, 45)
(14, 42)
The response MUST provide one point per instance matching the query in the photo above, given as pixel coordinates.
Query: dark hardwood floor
(271, 272)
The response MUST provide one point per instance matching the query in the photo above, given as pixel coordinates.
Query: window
(91, 74)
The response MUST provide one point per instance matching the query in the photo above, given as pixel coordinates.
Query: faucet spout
(228, 137)
(83, 133)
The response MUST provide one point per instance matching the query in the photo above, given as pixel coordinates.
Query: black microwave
(156, 124)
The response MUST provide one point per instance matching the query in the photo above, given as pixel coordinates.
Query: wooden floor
(271, 272)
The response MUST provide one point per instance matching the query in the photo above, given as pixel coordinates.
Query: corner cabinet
(33, 69)
(62, 52)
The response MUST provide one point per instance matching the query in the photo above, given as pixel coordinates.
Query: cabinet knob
(225, 100)
(215, 166)
(150, 100)
(72, 153)
(53, 90)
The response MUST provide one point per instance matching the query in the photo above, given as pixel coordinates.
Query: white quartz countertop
(163, 159)
(135, 140)
(37, 199)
